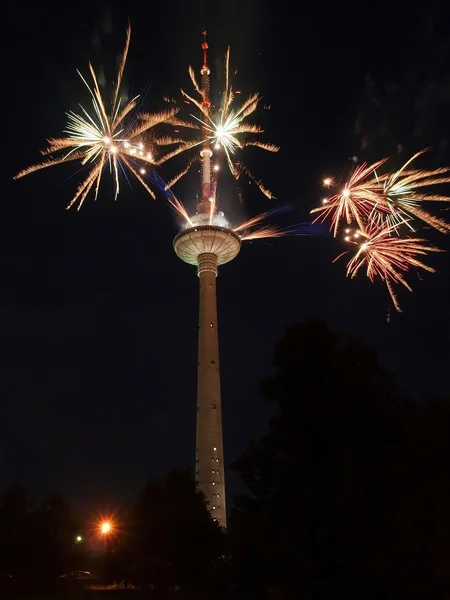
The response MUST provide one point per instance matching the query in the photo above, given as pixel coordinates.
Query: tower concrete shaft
(209, 449)
(208, 246)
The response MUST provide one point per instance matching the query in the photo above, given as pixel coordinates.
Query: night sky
(98, 315)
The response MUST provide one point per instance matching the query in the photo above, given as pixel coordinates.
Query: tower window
(214, 483)
(213, 448)
(214, 508)
(211, 324)
(214, 406)
(213, 362)
(218, 495)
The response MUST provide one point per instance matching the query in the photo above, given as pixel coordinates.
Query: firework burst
(395, 199)
(106, 136)
(226, 128)
(402, 196)
(388, 257)
(356, 200)
(378, 208)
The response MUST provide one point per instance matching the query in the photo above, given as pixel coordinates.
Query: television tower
(208, 243)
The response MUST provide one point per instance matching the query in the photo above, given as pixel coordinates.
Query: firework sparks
(105, 136)
(262, 231)
(356, 201)
(226, 128)
(245, 230)
(387, 257)
(179, 208)
(268, 231)
(403, 196)
(377, 207)
(394, 199)
(251, 229)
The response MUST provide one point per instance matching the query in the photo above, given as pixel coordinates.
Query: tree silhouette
(14, 517)
(349, 488)
(36, 544)
(53, 542)
(172, 540)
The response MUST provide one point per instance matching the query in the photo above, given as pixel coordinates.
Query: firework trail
(106, 136)
(226, 128)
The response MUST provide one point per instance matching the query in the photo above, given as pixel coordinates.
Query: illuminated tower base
(207, 246)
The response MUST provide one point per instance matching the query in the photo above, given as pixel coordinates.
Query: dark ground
(103, 595)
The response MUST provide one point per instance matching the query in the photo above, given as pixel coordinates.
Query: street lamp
(105, 527)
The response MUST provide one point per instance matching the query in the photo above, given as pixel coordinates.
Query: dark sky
(99, 317)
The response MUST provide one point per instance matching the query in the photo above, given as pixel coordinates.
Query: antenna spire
(205, 48)
(207, 204)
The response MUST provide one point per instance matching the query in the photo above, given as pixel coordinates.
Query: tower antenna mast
(207, 202)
